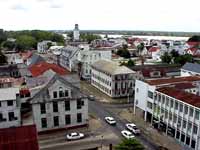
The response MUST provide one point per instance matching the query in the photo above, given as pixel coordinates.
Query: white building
(42, 47)
(112, 79)
(68, 57)
(76, 34)
(59, 104)
(88, 57)
(9, 107)
(172, 110)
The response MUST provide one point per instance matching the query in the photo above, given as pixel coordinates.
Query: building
(190, 69)
(112, 79)
(87, 57)
(19, 138)
(68, 57)
(43, 46)
(59, 104)
(172, 109)
(40, 68)
(9, 107)
(76, 34)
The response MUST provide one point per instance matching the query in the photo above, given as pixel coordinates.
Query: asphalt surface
(102, 111)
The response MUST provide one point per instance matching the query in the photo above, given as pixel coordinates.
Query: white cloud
(171, 15)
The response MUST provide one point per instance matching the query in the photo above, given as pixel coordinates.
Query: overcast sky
(158, 15)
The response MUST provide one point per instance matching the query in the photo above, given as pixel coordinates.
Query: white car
(127, 134)
(133, 128)
(110, 120)
(75, 136)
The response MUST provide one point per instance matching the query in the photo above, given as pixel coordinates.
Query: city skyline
(105, 15)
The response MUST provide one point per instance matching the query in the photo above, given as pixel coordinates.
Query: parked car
(133, 128)
(127, 134)
(75, 136)
(91, 97)
(110, 120)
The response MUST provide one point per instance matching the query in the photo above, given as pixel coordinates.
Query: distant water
(149, 37)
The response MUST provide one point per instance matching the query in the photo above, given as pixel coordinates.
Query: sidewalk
(157, 137)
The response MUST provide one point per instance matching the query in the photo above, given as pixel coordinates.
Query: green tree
(182, 59)
(26, 42)
(166, 58)
(174, 53)
(89, 37)
(140, 48)
(3, 59)
(129, 144)
(3, 36)
(195, 38)
(8, 45)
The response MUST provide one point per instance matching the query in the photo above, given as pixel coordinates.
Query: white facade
(168, 113)
(9, 108)
(113, 84)
(88, 57)
(76, 33)
(42, 47)
(63, 107)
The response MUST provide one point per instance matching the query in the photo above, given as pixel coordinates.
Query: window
(167, 101)
(149, 105)
(176, 105)
(55, 107)
(195, 129)
(175, 118)
(56, 121)
(184, 124)
(79, 104)
(150, 94)
(0, 104)
(10, 103)
(171, 103)
(55, 94)
(61, 94)
(42, 108)
(186, 110)
(79, 117)
(189, 127)
(191, 112)
(67, 119)
(11, 116)
(181, 107)
(197, 114)
(67, 105)
(66, 93)
(44, 122)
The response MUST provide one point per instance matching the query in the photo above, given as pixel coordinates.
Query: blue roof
(194, 67)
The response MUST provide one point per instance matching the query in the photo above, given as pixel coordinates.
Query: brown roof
(181, 95)
(187, 85)
(173, 80)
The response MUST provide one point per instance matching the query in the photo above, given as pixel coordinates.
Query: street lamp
(101, 142)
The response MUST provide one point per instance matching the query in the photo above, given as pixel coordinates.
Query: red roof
(181, 95)
(173, 80)
(187, 85)
(40, 68)
(154, 49)
(19, 138)
(193, 49)
(193, 43)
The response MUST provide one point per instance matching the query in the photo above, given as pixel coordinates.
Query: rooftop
(8, 93)
(173, 80)
(194, 67)
(42, 67)
(19, 138)
(111, 67)
(186, 85)
(181, 95)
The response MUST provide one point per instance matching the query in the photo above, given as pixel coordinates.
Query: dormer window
(66, 93)
(61, 94)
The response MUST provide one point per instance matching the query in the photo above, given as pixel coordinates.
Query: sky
(153, 15)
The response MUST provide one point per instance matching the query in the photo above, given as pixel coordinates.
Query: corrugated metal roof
(19, 138)
(194, 67)
(111, 67)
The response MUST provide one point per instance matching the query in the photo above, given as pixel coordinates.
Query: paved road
(101, 111)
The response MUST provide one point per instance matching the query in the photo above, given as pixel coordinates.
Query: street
(102, 111)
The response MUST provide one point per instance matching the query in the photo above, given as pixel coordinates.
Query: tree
(130, 63)
(8, 45)
(3, 36)
(195, 38)
(89, 37)
(166, 58)
(26, 42)
(3, 59)
(183, 59)
(129, 144)
(140, 48)
(174, 53)
(123, 53)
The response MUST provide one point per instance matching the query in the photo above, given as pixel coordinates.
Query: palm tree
(129, 144)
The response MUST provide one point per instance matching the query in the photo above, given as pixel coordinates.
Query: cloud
(19, 7)
(56, 6)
